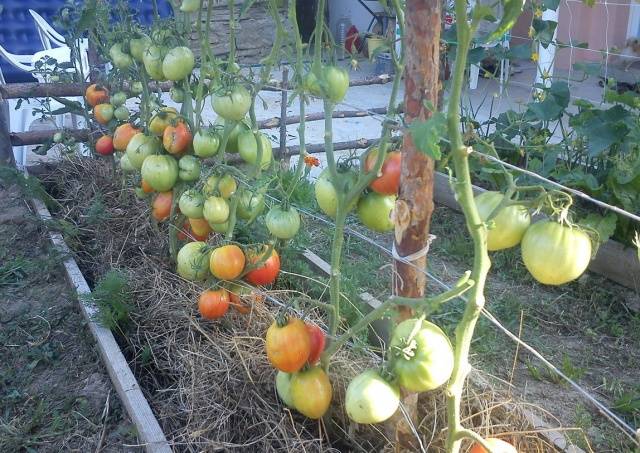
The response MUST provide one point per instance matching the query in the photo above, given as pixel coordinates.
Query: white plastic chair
(48, 35)
(474, 70)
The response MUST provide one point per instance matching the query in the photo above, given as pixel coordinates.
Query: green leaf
(512, 10)
(589, 68)
(605, 226)
(603, 128)
(556, 100)
(426, 135)
(246, 4)
(519, 52)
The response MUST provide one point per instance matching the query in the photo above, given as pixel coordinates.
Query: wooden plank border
(121, 375)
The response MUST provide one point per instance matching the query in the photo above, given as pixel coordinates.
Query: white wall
(359, 16)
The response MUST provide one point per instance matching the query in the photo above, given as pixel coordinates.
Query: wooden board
(612, 261)
(124, 381)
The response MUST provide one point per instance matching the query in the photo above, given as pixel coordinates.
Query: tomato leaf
(426, 135)
(605, 226)
(512, 10)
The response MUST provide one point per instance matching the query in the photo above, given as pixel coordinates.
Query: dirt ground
(55, 394)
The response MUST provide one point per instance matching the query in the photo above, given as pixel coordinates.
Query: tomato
(137, 46)
(283, 223)
(121, 113)
(120, 59)
(161, 206)
(426, 362)
(178, 63)
(96, 94)
(213, 304)
(122, 135)
(140, 193)
(250, 205)
(190, 6)
(317, 338)
(104, 145)
(176, 95)
(146, 187)
(311, 392)
(182, 234)
(506, 229)
(336, 83)
(248, 147)
(137, 88)
(125, 164)
(118, 99)
(388, 181)
(326, 194)
(176, 139)
(288, 345)
(140, 147)
(283, 387)
(220, 227)
(200, 229)
(232, 141)
(224, 186)
(152, 59)
(232, 105)
(191, 204)
(103, 113)
(374, 211)
(268, 270)
(216, 210)
(371, 399)
(243, 297)
(312, 85)
(162, 119)
(206, 143)
(193, 261)
(189, 168)
(497, 446)
(227, 262)
(160, 171)
(555, 254)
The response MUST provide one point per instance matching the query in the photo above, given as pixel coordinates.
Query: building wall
(353, 10)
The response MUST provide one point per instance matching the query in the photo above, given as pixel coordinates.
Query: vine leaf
(426, 134)
(605, 226)
(512, 10)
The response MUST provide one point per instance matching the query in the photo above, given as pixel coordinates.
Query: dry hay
(209, 383)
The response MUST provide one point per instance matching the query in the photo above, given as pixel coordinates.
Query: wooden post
(415, 201)
(6, 150)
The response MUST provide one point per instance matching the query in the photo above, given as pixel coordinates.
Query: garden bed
(209, 383)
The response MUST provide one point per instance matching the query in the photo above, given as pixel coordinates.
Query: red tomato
(183, 233)
(176, 139)
(161, 206)
(213, 304)
(388, 182)
(104, 145)
(316, 335)
(497, 446)
(267, 272)
(96, 94)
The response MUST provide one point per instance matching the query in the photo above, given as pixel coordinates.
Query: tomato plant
(248, 148)
(243, 297)
(119, 58)
(233, 104)
(103, 113)
(497, 446)
(250, 205)
(206, 143)
(162, 119)
(317, 338)
(224, 185)
(287, 344)
(374, 211)
(104, 145)
(200, 228)
(213, 304)
(122, 135)
(140, 147)
(160, 172)
(227, 262)
(267, 272)
(161, 206)
(152, 59)
(193, 261)
(121, 113)
(216, 210)
(119, 98)
(178, 63)
(96, 94)
(508, 226)
(189, 168)
(138, 45)
(283, 223)
(326, 194)
(191, 204)
(283, 387)
(370, 398)
(311, 392)
(176, 139)
(388, 180)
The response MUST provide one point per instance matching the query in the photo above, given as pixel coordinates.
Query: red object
(316, 335)
(104, 145)
(353, 43)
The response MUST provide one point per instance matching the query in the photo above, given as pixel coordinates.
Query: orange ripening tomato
(213, 304)
(243, 297)
(288, 345)
(96, 94)
(200, 229)
(104, 145)
(317, 338)
(388, 183)
(146, 188)
(161, 206)
(183, 233)
(227, 262)
(176, 139)
(103, 113)
(267, 272)
(122, 135)
(497, 446)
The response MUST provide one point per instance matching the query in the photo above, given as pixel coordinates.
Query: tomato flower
(311, 161)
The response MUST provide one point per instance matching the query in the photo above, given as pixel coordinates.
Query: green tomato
(152, 59)
(176, 94)
(337, 83)
(326, 194)
(555, 254)
(250, 205)
(371, 399)
(424, 363)
(281, 223)
(125, 164)
(119, 98)
(232, 141)
(120, 59)
(206, 143)
(283, 384)
(249, 149)
(178, 63)
(140, 147)
(189, 167)
(137, 88)
(137, 46)
(193, 261)
(121, 113)
(506, 229)
(374, 211)
(216, 210)
(160, 172)
(191, 204)
(224, 186)
(219, 227)
(190, 6)
(232, 105)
